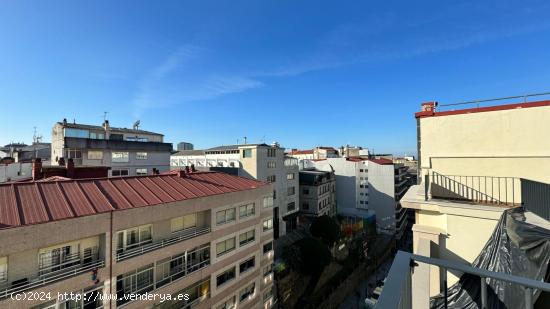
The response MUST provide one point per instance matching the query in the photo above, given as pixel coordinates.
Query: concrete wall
(382, 195)
(15, 171)
(496, 143)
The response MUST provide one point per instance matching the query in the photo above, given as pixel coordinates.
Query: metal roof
(45, 201)
(112, 129)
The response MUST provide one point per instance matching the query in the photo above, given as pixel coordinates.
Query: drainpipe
(111, 263)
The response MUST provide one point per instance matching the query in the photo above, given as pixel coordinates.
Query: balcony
(54, 268)
(504, 192)
(175, 238)
(399, 292)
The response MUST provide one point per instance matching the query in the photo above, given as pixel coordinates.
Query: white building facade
(257, 161)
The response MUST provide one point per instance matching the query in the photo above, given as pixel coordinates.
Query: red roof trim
(299, 152)
(424, 114)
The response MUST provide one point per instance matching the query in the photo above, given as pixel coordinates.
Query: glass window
(247, 153)
(118, 156)
(247, 292)
(141, 155)
(271, 178)
(268, 247)
(141, 171)
(225, 216)
(271, 164)
(290, 191)
(290, 176)
(228, 304)
(291, 206)
(247, 265)
(185, 222)
(225, 246)
(226, 276)
(246, 210)
(123, 172)
(268, 224)
(246, 237)
(134, 237)
(70, 132)
(95, 155)
(268, 201)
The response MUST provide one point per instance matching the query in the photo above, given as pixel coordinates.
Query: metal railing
(535, 197)
(398, 288)
(50, 278)
(477, 102)
(178, 237)
(479, 189)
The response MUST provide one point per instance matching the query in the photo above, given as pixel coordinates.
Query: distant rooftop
(94, 127)
(59, 198)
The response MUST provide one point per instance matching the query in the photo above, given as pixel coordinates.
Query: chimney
(193, 168)
(181, 173)
(70, 168)
(155, 171)
(61, 161)
(428, 106)
(64, 121)
(37, 169)
(107, 128)
(187, 170)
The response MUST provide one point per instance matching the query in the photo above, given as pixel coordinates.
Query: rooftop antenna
(136, 125)
(105, 116)
(245, 140)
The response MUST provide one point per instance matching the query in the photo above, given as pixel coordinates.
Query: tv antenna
(136, 125)
(105, 116)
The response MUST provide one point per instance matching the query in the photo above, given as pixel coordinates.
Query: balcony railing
(29, 283)
(536, 197)
(398, 289)
(505, 191)
(177, 237)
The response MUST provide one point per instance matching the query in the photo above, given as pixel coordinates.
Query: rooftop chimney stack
(37, 169)
(193, 168)
(429, 106)
(187, 170)
(70, 168)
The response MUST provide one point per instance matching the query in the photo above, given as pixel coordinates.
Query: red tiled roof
(424, 114)
(298, 152)
(382, 161)
(45, 201)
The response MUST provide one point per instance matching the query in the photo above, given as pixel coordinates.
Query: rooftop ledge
(414, 199)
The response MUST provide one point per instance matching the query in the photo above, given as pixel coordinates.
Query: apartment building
(256, 161)
(474, 164)
(320, 152)
(206, 235)
(317, 193)
(367, 186)
(128, 152)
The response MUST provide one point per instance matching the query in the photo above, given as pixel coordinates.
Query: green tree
(325, 228)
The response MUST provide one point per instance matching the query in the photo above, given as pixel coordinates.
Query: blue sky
(302, 73)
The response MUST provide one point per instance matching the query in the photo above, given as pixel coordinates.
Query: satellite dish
(136, 125)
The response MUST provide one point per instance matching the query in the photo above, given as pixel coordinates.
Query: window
(134, 237)
(181, 223)
(271, 164)
(271, 178)
(305, 205)
(94, 135)
(268, 224)
(247, 292)
(116, 137)
(305, 191)
(247, 153)
(225, 246)
(138, 281)
(268, 270)
(73, 153)
(70, 132)
(141, 155)
(246, 210)
(141, 171)
(228, 304)
(290, 191)
(227, 275)
(122, 172)
(246, 238)
(95, 155)
(118, 156)
(225, 216)
(268, 294)
(137, 139)
(268, 201)
(247, 265)
(268, 247)
(290, 176)
(271, 152)
(291, 206)
(3, 269)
